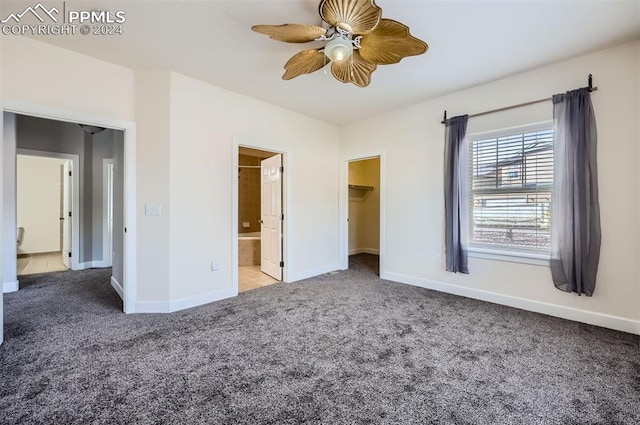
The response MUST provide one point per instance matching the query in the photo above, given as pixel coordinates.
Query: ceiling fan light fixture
(358, 40)
(338, 49)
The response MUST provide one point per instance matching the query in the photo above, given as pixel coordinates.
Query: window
(510, 190)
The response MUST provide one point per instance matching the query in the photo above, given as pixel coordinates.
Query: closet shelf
(359, 187)
(358, 192)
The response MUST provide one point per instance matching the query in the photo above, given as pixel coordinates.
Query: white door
(67, 190)
(271, 216)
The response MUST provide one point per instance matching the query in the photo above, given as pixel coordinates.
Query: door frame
(129, 128)
(257, 144)
(344, 208)
(107, 201)
(75, 197)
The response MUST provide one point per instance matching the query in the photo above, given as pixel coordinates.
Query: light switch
(152, 209)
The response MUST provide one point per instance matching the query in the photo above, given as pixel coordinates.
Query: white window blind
(510, 191)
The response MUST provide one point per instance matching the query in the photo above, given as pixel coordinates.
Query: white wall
(39, 203)
(413, 139)
(152, 119)
(9, 248)
(36, 73)
(204, 122)
(364, 212)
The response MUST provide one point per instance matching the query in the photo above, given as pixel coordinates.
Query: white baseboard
(184, 303)
(364, 251)
(189, 302)
(117, 287)
(10, 286)
(151, 307)
(592, 318)
(92, 265)
(294, 277)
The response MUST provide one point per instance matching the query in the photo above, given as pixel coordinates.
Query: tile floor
(41, 263)
(250, 277)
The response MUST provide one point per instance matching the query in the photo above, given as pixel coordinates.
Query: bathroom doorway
(364, 214)
(260, 218)
(44, 208)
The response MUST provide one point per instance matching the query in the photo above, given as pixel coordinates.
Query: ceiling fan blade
(356, 16)
(389, 42)
(357, 70)
(291, 33)
(305, 62)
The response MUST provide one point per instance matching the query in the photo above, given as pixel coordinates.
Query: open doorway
(85, 170)
(260, 218)
(364, 214)
(45, 211)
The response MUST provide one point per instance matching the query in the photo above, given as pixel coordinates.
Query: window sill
(536, 259)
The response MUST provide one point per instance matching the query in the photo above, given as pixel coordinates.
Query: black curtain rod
(519, 105)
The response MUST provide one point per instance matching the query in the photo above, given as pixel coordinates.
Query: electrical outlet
(436, 259)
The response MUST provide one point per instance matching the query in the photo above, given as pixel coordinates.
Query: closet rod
(249, 166)
(520, 105)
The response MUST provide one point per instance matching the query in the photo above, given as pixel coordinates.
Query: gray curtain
(456, 202)
(575, 212)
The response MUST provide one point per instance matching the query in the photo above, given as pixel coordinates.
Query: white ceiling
(470, 43)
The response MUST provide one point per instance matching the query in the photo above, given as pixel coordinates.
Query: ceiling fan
(358, 40)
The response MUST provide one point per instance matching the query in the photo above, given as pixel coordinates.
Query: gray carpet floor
(345, 348)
